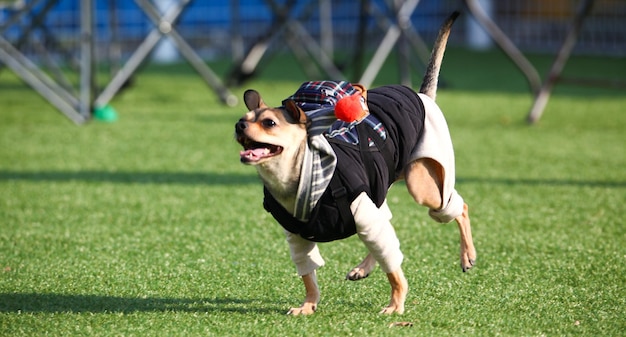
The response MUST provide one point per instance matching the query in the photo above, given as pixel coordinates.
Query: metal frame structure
(399, 33)
(78, 106)
(311, 55)
(164, 27)
(540, 90)
(392, 17)
(542, 96)
(75, 106)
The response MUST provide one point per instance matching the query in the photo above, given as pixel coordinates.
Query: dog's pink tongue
(253, 154)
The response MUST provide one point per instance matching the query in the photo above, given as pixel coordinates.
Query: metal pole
(557, 67)
(534, 81)
(237, 45)
(166, 29)
(39, 81)
(326, 28)
(387, 44)
(86, 59)
(404, 21)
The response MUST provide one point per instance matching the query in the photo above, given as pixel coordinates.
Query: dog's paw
(393, 309)
(357, 274)
(468, 260)
(305, 309)
(363, 270)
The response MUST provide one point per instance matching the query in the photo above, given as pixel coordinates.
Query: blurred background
(227, 28)
(331, 39)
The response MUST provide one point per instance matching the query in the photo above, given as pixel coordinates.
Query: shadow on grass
(185, 178)
(542, 182)
(233, 179)
(58, 303)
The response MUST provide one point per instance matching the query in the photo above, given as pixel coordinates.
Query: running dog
(326, 179)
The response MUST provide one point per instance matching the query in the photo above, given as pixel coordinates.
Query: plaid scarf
(318, 100)
(347, 132)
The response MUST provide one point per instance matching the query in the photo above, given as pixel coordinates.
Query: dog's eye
(268, 123)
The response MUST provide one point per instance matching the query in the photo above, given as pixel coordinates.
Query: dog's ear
(294, 110)
(360, 88)
(253, 100)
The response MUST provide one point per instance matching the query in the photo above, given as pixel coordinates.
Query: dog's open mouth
(255, 151)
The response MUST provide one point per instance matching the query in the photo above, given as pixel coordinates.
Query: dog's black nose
(240, 126)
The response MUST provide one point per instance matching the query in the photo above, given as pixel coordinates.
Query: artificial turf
(151, 226)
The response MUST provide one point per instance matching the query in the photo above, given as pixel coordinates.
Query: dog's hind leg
(468, 252)
(424, 180)
(363, 270)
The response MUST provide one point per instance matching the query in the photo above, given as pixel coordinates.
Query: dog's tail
(431, 77)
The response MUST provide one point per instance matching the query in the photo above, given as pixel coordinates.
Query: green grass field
(149, 226)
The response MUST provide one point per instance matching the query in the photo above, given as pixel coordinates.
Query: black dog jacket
(371, 166)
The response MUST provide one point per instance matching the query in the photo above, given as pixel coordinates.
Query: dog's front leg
(399, 290)
(312, 296)
(378, 235)
(306, 256)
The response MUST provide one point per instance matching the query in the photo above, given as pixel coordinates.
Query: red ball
(350, 108)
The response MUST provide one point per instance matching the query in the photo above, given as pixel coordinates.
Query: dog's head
(270, 134)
